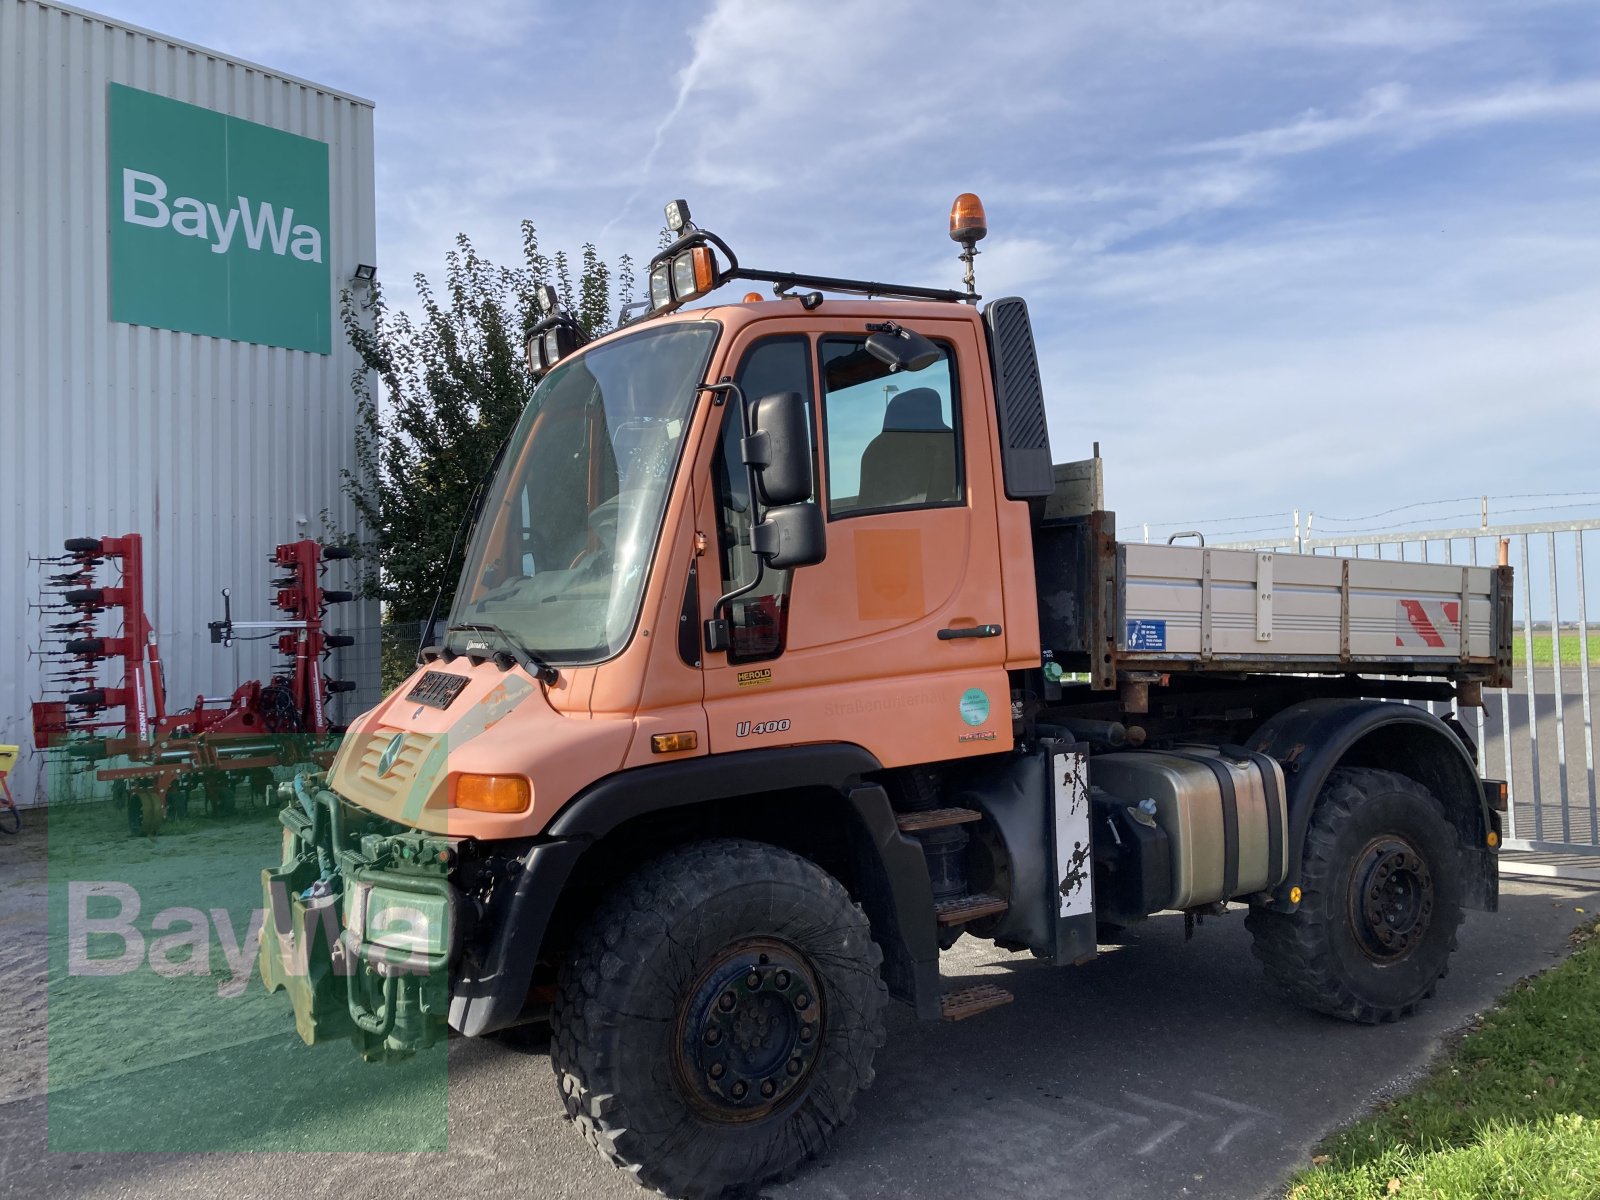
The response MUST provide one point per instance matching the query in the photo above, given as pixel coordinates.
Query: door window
(892, 438)
(759, 618)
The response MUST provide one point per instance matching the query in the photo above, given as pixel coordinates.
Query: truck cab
(784, 655)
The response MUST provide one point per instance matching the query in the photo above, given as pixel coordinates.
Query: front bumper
(361, 927)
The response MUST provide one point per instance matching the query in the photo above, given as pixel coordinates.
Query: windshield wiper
(529, 661)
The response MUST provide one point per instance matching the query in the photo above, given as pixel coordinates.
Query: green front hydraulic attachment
(360, 920)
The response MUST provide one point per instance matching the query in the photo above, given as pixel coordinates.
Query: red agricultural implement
(166, 755)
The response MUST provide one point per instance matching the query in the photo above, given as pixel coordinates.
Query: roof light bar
(689, 269)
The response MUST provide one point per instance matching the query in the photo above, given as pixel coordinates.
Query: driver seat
(913, 460)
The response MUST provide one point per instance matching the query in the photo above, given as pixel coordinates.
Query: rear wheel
(717, 1016)
(1382, 899)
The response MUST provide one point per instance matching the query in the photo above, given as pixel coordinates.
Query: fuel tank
(1222, 809)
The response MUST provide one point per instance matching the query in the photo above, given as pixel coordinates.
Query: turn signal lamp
(1493, 839)
(493, 793)
(967, 220)
(671, 743)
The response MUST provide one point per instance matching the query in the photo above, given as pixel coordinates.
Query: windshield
(560, 552)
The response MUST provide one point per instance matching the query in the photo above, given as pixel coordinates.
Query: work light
(660, 285)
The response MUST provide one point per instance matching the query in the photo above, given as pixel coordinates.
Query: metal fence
(1540, 732)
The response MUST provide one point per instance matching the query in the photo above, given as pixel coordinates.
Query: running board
(936, 818)
(969, 908)
(970, 1001)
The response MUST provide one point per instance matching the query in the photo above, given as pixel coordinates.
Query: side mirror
(779, 448)
(903, 349)
(794, 535)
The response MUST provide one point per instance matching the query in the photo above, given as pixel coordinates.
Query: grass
(1544, 649)
(1513, 1111)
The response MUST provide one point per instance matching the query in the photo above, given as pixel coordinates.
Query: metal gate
(1540, 732)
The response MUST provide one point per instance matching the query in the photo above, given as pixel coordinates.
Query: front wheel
(1382, 899)
(717, 1016)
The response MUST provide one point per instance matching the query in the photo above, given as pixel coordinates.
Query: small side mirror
(903, 350)
(779, 448)
(794, 535)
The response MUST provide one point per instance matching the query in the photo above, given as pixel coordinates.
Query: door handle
(969, 631)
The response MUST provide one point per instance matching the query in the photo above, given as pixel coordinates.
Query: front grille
(437, 689)
(416, 756)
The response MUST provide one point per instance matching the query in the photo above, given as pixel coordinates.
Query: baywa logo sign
(219, 226)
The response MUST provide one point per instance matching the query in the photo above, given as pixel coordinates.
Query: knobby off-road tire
(717, 1017)
(1382, 900)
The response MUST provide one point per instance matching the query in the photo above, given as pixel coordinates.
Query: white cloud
(1240, 308)
(1387, 110)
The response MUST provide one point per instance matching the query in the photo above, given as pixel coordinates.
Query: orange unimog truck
(785, 655)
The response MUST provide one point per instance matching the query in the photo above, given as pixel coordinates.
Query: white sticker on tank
(1074, 868)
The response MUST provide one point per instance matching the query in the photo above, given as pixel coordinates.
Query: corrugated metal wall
(214, 450)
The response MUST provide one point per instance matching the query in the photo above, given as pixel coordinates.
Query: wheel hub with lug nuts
(750, 1031)
(1391, 899)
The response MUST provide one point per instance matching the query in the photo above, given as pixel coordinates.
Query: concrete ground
(1163, 1069)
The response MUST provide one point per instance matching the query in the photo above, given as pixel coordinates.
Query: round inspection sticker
(974, 706)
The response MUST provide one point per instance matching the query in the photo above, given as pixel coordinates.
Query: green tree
(437, 395)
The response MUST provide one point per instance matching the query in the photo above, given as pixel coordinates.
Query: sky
(1341, 257)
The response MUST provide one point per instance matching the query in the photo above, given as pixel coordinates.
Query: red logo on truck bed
(1427, 623)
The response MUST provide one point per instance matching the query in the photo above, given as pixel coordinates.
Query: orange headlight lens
(493, 793)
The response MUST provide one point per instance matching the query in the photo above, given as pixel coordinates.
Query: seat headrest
(915, 411)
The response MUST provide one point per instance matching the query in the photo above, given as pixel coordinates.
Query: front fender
(890, 867)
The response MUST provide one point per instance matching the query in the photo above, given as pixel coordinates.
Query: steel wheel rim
(1391, 899)
(750, 1031)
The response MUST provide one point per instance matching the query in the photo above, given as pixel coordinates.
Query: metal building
(176, 230)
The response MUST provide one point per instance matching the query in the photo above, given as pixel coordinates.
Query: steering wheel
(603, 523)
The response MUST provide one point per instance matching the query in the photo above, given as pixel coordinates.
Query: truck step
(936, 818)
(969, 908)
(970, 1001)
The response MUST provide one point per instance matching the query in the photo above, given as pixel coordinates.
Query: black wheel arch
(819, 801)
(1313, 738)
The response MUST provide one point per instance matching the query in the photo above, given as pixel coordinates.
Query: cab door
(895, 641)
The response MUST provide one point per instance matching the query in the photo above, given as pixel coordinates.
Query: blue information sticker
(1146, 634)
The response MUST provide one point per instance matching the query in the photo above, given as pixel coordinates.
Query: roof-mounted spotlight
(554, 336)
(688, 268)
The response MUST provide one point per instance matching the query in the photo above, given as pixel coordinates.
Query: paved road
(1164, 1069)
